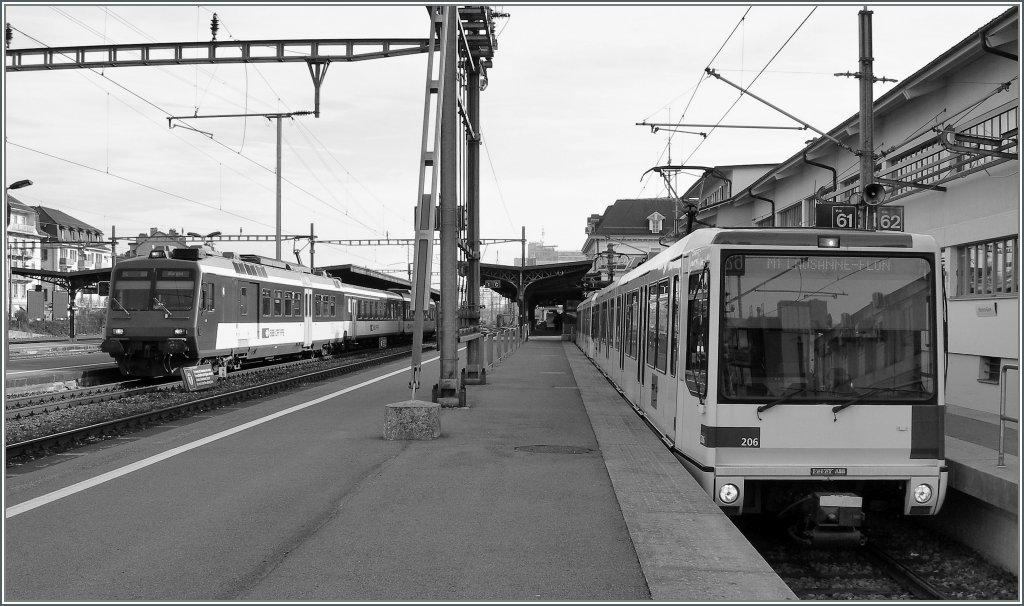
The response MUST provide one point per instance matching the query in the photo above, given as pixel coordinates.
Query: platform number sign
(890, 218)
(844, 216)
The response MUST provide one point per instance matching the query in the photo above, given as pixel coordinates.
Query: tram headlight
(923, 493)
(728, 493)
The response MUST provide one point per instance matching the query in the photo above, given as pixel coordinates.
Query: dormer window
(654, 222)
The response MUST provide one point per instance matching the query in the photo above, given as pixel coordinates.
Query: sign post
(196, 378)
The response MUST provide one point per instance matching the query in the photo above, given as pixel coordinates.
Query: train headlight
(117, 331)
(179, 332)
(728, 493)
(923, 493)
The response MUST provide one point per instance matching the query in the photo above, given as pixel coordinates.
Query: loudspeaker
(873, 194)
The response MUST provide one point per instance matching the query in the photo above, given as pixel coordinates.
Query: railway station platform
(548, 487)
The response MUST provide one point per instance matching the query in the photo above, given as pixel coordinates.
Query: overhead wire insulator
(214, 26)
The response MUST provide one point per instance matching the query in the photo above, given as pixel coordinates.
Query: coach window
(243, 301)
(317, 304)
(297, 305)
(206, 298)
(266, 302)
(697, 333)
(287, 303)
(277, 303)
(334, 306)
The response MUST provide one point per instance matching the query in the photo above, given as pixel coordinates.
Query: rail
(1003, 419)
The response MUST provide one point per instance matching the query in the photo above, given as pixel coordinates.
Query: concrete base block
(449, 402)
(412, 420)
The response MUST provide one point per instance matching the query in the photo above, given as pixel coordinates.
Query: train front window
(814, 328)
(175, 289)
(131, 289)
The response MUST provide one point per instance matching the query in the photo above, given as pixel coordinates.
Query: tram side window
(697, 322)
(266, 302)
(661, 355)
(627, 324)
(611, 325)
(673, 363)
(652, 325)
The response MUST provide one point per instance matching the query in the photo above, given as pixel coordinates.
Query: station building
(949, 164)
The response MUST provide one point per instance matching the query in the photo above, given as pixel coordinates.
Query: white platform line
(31, 504)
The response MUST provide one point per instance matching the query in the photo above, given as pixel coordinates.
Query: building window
(654, 222)
(989, 370)
(791, 216)
(987, 268)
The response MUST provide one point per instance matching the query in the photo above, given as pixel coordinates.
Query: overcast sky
(568, 85)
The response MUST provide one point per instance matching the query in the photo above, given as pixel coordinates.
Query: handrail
(1002, 413)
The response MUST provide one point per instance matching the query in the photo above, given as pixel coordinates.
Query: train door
(248, 312)
(659, 397)
(307, 317)
(695, 323)
(610, 335)
(629, 352)
(617, 359)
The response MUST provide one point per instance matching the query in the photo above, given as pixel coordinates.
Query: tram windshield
(818, 328)
(143, 289)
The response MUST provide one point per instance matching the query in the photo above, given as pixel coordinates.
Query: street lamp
(10, 257)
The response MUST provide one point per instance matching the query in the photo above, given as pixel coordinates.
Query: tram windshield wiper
(872, 390)
(118, 303)
(782, 400)
(160, 305)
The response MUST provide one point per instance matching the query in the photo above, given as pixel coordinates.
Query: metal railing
(1003, 419)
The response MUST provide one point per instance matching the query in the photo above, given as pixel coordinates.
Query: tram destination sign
(836, 216)
(844, 216)
(889, 218)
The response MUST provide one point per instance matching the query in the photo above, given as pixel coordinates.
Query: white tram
(792, 371)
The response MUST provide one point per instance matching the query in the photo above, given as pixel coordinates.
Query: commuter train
(792, 371)
(191, 306)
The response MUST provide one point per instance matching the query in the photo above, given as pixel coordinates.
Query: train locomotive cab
(152, 316)
(796, 373)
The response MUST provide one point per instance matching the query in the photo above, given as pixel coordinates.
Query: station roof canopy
(368, 278)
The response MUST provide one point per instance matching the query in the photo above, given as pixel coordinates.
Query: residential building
(948, 159)
(156, 239)
(73, 245)
(632, 230)
(24, 249)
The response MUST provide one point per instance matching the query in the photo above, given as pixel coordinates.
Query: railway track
(27, 406)
(901, 561)
(195, 402)
(46, 402)
(901, 573)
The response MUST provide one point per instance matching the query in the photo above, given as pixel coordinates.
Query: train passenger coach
(193, 306)
(793, 371)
